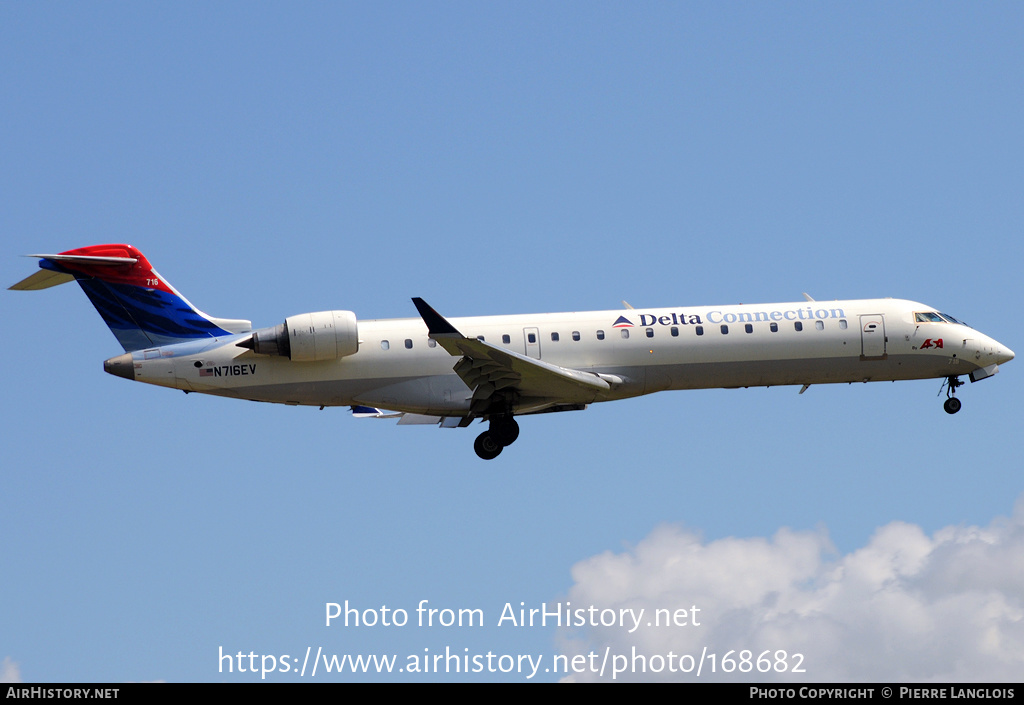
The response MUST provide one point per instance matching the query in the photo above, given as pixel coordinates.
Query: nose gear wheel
(952, 404)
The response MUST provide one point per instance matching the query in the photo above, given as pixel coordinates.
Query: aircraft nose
(998, 352)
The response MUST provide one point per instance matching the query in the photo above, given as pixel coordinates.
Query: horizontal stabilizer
(43, 279)
(89, 259)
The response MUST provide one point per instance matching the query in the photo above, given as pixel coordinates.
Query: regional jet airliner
(450, 372)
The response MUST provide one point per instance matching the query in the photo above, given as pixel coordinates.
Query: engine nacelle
(308, 337)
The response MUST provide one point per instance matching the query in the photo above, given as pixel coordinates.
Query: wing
(508, 380)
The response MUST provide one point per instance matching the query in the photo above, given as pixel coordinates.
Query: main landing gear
(952, 404)
(503, 431)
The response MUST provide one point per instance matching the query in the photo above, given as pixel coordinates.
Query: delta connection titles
(560, 614)
(738, 315)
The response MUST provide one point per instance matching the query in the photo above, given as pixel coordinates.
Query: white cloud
(9, 671)
(905, 607)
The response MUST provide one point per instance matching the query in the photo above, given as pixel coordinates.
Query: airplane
(450, 372)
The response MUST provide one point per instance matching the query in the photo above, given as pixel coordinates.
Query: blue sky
(276, 159)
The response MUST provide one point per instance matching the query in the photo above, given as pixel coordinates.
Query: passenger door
(872, 337)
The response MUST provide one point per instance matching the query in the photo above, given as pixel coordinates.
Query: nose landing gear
(952, 404)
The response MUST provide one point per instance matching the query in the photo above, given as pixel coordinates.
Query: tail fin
(141, 308)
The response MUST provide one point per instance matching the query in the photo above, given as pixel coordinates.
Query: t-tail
(141, 308)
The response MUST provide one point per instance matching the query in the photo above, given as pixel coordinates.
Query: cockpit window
(935, 317)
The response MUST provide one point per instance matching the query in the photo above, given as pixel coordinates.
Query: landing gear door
(872, 337)
(532, 339)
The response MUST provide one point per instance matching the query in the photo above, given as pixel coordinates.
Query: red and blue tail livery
(141, 308)
(451, 372)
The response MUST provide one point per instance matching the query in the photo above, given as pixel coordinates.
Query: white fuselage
(398, 367)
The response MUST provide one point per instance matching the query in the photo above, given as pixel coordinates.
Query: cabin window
(408, 343)
(725, 330)
(842, 324)
(554, 337)
(600, 335)
(624, 332)
(575, 335)
(480, 338)
(675, 331)
(820, 325)
(650, 332)
(431, 343)
(384, 345)
(774, 327)
(532, 337)
(506, 339)
(798, 325)
(749, 328)
(700, 330)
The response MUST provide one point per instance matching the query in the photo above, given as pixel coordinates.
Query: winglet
(436, 323)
